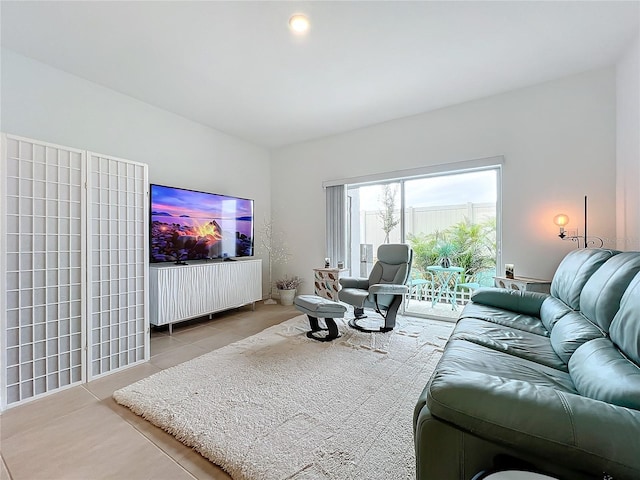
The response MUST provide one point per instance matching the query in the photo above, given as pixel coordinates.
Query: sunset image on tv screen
(191, 225)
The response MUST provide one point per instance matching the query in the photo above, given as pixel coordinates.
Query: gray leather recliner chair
(383, 290)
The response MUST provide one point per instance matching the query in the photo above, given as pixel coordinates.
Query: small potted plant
(445, 251)
(287, 289)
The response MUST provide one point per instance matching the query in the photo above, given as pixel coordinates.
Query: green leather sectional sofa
(550, 381)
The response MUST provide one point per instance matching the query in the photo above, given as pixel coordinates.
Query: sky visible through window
(471, 187)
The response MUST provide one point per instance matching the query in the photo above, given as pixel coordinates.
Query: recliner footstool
(317, 307)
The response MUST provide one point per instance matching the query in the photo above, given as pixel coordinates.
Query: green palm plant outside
(424, 249)
(471, 246)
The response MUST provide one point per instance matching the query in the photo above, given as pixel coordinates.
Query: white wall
(628, 148)
(47, 104)
(558, 140)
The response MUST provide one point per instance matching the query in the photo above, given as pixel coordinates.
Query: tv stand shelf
(182, 292)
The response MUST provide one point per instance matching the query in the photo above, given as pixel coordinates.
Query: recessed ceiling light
(299, 23)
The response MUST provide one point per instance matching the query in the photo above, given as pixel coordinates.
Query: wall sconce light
(561, 220)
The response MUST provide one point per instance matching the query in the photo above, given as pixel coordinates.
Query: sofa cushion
(519, 301)
(601, 372)
(528, 323)
(625, 328)
(494, 406)
(552, 310)
(581, 433)
(319, 306)
(600, 297)
(570, 332)
(513, 341)
(464, 356)
(574, 271)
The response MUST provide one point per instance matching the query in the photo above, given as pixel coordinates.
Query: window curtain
(336, 224)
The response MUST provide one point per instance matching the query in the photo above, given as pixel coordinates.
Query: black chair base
(389, 318)
(332, 328)
(383, 329)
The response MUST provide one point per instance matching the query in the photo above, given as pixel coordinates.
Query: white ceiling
(236, 67)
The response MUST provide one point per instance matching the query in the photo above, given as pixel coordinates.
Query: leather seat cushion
(601, 295)
(527, 323)
(353, 296)
(513, 341)
(572, 331)
(465, 356)
(574, 271)
(601, 372)
(552, 310)
(625, 328)
(319, 306)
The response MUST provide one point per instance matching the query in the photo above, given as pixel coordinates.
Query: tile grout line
(155, 445)
(5, 466)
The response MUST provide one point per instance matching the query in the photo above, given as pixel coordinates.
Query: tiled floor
(81, 433)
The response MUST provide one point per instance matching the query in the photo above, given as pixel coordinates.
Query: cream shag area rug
(278, 405)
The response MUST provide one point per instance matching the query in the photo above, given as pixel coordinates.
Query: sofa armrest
(587, 434)
(388, 289)
(354, 282)
(527, 303)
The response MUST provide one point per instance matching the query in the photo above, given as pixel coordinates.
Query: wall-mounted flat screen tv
(192, 225)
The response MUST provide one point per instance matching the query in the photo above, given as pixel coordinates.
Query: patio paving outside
(440, 311)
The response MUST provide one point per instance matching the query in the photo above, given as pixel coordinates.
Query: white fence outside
(422, 220)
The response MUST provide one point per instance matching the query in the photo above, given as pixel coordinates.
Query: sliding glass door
(374, 219)
(449, 220)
